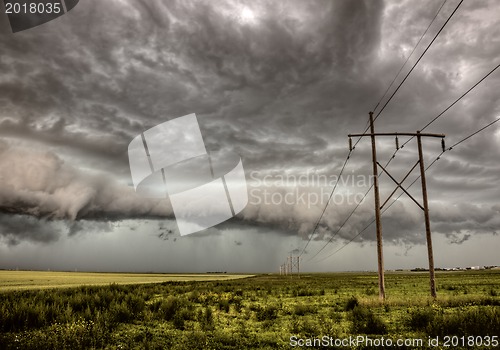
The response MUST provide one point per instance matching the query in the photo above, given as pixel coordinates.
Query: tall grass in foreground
(476, 321)
(255, 313)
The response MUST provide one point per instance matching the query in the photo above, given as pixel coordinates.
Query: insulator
(443, 145)
(350, 144)
(397, 143)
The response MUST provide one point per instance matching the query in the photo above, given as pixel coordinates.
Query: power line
(352, 239)
(411, 184)
(327, 202)
(341, 226)
(409, 56)
(416, 63)
(373, 220)
(443, 112)
(474, 133)
(456, 101)
(412, 68)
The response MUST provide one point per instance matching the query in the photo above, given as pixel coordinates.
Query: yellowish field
(21, 280)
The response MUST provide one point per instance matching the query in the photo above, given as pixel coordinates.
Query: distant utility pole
(284, 267)
(295, 264)
(378, 207)
(298, 266)
(291, 265)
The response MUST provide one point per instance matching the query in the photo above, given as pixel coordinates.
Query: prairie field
(255, 312)
(17, 280)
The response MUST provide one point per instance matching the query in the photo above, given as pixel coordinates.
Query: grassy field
(17, 280)
(260, 312)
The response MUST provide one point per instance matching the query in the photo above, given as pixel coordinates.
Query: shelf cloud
(279, 83)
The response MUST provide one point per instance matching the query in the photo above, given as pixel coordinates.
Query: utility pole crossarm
(413, 134)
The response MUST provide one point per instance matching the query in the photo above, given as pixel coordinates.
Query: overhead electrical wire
(409, 56)
(418, 60)
(343, 224)
(414, 65)
(327, 202)
(454, 102)
(443, 112)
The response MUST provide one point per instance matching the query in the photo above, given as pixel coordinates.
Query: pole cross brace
(399, 185)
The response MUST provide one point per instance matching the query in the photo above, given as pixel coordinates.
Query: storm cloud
(280, 83)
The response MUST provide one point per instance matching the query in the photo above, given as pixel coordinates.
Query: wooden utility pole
(428, 236)
(295, 264)
(298, 266)
(378, 207)
(289, 264)
(380, 250)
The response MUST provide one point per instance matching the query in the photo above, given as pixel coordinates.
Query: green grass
(260, 312)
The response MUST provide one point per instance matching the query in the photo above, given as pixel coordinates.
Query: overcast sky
(281, 84)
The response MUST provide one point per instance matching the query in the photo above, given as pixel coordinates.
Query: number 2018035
(32, 8)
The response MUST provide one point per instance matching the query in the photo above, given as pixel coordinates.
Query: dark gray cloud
(15, 228)
(281, 83)
(44, 186)
(85, 226)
